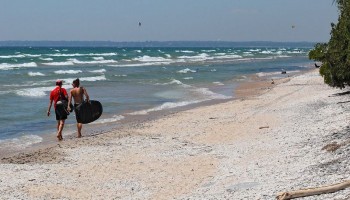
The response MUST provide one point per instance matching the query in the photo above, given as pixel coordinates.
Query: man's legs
(79, 127)
(60, 125)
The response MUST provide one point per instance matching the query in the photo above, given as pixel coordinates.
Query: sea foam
(20, 142)
(68, 71)
(6, 66)
(35, 74)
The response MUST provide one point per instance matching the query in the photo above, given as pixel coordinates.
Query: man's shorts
(77, 110)
(61, 113)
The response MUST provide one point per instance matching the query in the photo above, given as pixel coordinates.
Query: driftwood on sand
(261, 127)
(313, 191)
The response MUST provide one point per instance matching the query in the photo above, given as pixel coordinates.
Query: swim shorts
(61, 113)
(76, 110)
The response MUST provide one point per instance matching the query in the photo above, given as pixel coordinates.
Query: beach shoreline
(252, 86)
(251, 147)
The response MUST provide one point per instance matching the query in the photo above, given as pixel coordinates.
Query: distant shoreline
(150, 44)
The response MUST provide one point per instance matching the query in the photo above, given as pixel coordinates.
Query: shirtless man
(78, 95)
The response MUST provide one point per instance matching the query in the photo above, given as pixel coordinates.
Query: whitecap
(98, 71)
(68, 71)
(229, 56)
(35, 74)
(46, 59)
(208, 51)
(13, 56)
(218, 83)
(196, 58)
(152, 59)
(76, 61)
(115, 118)
(95, 78)
(33, 92)
(32, 55)
(98, 58)
(6, 66)
(185, 71)
(59, 63)
(140, 64)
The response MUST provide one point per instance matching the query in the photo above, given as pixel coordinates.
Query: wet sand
(273, 138)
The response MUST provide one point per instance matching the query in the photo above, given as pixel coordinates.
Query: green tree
(335, 55)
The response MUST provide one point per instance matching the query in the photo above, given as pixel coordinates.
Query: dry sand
(249, 148)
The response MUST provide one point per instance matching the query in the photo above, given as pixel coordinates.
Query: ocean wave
(33, 92)
(266, 52)
(68, 71)
(20, 142)
(13, 56)
(227, 56)
(65, 63)
(80, 54)
(115, 118)
(140, 64)
(46, 59)
(174, 82)
(90, 79)
(218, 83)
(35, 74)
(98, 71)
(185, 71)
(32, 55)
(94, 78)
(121, 75)
(263, 74)
(188, 78)
(199, 57)
(42, 91)
(209, 51)
(75, 61)
(254, 50)
(6, 66)
(151, 59)
(206, 94)
(184, 51)
(197, 94)
(98, 58)
(164, 106)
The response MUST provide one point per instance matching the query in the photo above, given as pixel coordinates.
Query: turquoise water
(127, 81)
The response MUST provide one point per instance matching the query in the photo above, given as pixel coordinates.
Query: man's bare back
(78, 94)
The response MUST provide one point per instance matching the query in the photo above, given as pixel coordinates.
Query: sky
(167, 20)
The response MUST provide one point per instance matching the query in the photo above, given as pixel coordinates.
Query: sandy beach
(291, 135)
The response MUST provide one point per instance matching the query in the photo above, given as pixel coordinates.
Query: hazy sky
(164, 20)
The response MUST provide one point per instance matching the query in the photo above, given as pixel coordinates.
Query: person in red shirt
(57, 95)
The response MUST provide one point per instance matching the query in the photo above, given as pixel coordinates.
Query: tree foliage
(335, 55)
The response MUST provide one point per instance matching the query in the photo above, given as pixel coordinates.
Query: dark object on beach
(314, 191)
(283, 71)
(89, 111)
(261, 127)
(317, 66)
